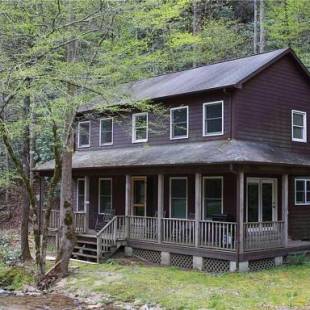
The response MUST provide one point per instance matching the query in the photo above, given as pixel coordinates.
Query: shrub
(9, 250)
(298, 259)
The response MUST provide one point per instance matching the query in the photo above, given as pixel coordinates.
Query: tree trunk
(255, 27)
(24, 231)
(67, 231)
(50, 197)
(261, 26)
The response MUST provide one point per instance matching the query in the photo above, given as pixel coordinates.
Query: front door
(139, 196)
(261, 200)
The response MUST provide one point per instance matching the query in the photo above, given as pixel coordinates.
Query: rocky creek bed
(35, 300)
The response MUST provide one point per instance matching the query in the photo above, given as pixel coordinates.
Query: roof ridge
(207, 65)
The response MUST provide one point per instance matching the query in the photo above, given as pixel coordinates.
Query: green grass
(14, 278)
(288, 286)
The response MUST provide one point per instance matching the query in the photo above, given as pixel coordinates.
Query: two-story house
(225, 185)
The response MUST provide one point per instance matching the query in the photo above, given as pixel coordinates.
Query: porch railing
(220, 235)
(263, 235)
(180, 231)
(79, 221)
(54, 219)
(211, 234)
(143, 228)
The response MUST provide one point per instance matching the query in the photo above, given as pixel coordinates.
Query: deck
(189, 237)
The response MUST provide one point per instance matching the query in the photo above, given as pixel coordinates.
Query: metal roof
(230, 73)
(196, 153)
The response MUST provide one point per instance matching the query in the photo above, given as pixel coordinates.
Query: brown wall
(299, 216)
(262, 108)
(159, 132)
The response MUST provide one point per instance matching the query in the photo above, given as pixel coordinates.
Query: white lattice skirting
(182, 261)
(261, 264)
(147, 255)
(213, 265)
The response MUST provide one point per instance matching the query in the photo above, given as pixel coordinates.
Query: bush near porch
(172, 288)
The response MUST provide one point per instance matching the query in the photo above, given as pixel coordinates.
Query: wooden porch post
(160, 206)
(86, 218)
(197, 207)
(127, 204)
(285, 208)
(240, 211)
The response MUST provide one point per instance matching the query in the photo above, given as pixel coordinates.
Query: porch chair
(104, 218)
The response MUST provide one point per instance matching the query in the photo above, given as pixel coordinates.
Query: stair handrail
(101, 232)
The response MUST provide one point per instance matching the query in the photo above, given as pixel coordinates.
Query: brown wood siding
(159, 126)
(299, 216)
(262, 108)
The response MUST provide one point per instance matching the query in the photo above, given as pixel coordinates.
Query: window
(213, 118)
(84, 134)
(178, 197)
(140, 127)
(212, 196)
(299, 126)
(139, 195)
(302, 191)
(81, 195)
(106, 131)
(105, 196)
(179, 123)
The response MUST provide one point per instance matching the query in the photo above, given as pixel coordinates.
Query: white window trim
(304, 114)
(77, 195)
(134, 116)
(99, 187)
(306, 203)
(203, 193)
(84, 145)
(170, 198)
(187, 123)
(102, 119)
(219, 133)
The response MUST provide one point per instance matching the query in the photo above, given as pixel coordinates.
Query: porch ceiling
(213, 152)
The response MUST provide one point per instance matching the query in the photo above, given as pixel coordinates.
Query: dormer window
(106, 131)
(179, 123)
(84, 134)
(213, 118)
(299, 126)
(139, 127)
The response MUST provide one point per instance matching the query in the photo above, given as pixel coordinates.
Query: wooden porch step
(84, 255)
(85, 249)
(87, 242)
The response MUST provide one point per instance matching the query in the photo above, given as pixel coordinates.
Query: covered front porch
(215, 210)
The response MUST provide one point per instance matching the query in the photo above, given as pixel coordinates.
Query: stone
(232, 266)
(197, 262)
(278, 260)
(165, 258)
(128, 251)
(243, 266)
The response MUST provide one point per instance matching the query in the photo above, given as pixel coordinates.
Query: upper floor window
(302, 191)
(106, 131)
(213, 118)
(140, 127)
(299, 126)
(179, 123)
(84, 134)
